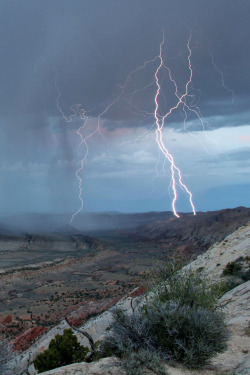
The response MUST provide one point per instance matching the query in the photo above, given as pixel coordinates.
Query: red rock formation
(91, 307)
(7, 319)
(25, 338)
(138, 292)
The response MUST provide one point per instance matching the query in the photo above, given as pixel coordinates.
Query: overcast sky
(58, 53)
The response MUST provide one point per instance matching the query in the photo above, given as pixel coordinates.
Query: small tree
(63, 350)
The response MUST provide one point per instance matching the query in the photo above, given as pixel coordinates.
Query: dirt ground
(40, 286)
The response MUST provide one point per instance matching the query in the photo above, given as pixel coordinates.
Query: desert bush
(246, 275)
(227, 285)
(63, 350)
(237, 271)
(135, 363)
(179, 321)
(168, 282)
(129, 333)
(189, 334)
(232, 268)
(247, 330)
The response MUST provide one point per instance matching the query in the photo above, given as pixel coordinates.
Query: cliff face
(236, 245)
(236, 304)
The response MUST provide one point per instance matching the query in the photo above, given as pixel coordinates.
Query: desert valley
(57, 271)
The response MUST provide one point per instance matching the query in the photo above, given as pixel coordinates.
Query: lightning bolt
(186, 101)
(79, 112)
(160, 122)
(222, 78)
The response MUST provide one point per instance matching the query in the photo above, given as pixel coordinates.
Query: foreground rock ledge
(112, 366)
(109, 366)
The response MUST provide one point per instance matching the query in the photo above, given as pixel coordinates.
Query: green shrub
(227, 285)
(239, 273)
(129, 333)
(63, 350)
(247, 330)
(188, 287)
(178, 321)
(232, 268)
(246, 275)
(189, 334)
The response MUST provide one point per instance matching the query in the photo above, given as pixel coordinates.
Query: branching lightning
(186, 101)
(160, 121)
(79, 112)
(222, 78)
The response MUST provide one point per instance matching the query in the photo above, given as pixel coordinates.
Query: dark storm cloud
(94, 44)
(82, 51)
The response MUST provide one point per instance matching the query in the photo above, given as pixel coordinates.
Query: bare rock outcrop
(214, 260)
(106, 366)
(236, 305)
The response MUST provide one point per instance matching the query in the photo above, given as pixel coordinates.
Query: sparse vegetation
(135, 363)
(232, 268)
(170, 281)
(237, 272)
(63, 350)
(247, 330)
(227, 285)
(178, 321)
(246, 275)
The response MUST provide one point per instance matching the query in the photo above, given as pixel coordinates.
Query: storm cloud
(82, 51)
(95, 44)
